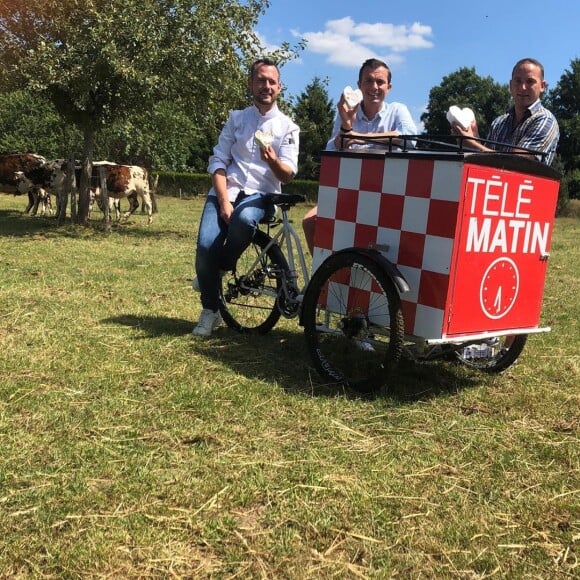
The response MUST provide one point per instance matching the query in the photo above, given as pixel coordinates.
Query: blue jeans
(219, 245)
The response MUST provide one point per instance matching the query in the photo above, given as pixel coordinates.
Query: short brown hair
(531, 61)
(263, 62)
(373, 64)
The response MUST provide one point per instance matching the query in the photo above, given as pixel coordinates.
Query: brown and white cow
(122, 181)
(24, 173)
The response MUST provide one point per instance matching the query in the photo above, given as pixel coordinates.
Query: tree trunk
(85, 181)
(105, 198)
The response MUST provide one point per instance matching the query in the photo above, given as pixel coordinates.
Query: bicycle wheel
(249, 296)
(353, 322)
(493, 355)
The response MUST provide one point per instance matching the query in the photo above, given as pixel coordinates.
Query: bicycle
(265, 284)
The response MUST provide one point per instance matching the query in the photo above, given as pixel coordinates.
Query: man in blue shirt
(527, 125)
(372, 117)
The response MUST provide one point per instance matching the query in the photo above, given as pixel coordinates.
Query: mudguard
(388, 266)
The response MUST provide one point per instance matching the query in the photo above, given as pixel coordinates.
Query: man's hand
(226, 211)
(471, 131)
(347, 115)
(268, 154)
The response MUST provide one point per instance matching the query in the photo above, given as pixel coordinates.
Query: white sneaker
(208, 322)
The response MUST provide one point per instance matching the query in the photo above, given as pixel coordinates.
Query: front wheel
(493, 355)
(353, 322)
(249, 296)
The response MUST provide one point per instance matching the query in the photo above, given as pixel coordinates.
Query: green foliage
(103, 60)
(465, 88)
(314, 113)
(183, 184)
(159, 138)
(194, 184)
(108, 60)
(306, 187)
(29, 122)
(564, 102)
(563, 193)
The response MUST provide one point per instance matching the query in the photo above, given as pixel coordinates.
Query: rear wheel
(493, 355)
(353, 322)
(249, 296)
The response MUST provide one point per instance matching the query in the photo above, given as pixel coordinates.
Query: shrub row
(194, 184)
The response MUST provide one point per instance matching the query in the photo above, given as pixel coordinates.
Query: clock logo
(499, 288)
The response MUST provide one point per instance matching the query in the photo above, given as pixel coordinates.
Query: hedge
(193, 184)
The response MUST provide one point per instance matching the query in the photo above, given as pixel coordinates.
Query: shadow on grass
(281, 356)
(153, 325)
(14, 223)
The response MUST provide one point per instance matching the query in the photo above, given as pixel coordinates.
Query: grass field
(130, 449)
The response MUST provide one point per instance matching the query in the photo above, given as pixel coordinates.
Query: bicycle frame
(287, 239)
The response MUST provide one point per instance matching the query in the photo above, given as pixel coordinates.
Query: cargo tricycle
(424, 252)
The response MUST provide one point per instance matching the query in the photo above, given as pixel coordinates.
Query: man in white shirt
(372, 116)
(242, 169)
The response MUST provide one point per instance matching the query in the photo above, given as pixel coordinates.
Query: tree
(160, 138)
(104, 61)
(465, 88)
(314, 113)
(564, 101)
(30, 123)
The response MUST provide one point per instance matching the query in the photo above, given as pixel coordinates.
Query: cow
(114, 203)
(122, 181)
(132, 182)
(37, 183)
(16, 166)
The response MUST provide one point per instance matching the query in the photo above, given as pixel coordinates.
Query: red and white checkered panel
(405, 207)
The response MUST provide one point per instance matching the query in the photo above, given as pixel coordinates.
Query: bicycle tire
(354, 336)
(249, 298)
(493, 356)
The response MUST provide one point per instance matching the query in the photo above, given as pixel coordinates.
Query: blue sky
(421, 40)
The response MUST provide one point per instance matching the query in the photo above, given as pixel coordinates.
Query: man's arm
(219, 182)
(284, 162)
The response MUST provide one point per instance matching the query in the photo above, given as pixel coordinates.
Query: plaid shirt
(538, 130)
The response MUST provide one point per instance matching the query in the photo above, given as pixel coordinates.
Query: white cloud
(346, 43)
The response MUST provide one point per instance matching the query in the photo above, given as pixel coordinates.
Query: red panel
(409, 312)
(329, 171)
(364, 235)
(442, 218)
(358, 301)
(346, 205)
(324, 233)
(420, 177)
(504, 238)
(391, 211)
(411, 248)
(433, 289)
(371, 178)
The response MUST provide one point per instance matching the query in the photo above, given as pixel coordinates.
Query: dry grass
(130, 449)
